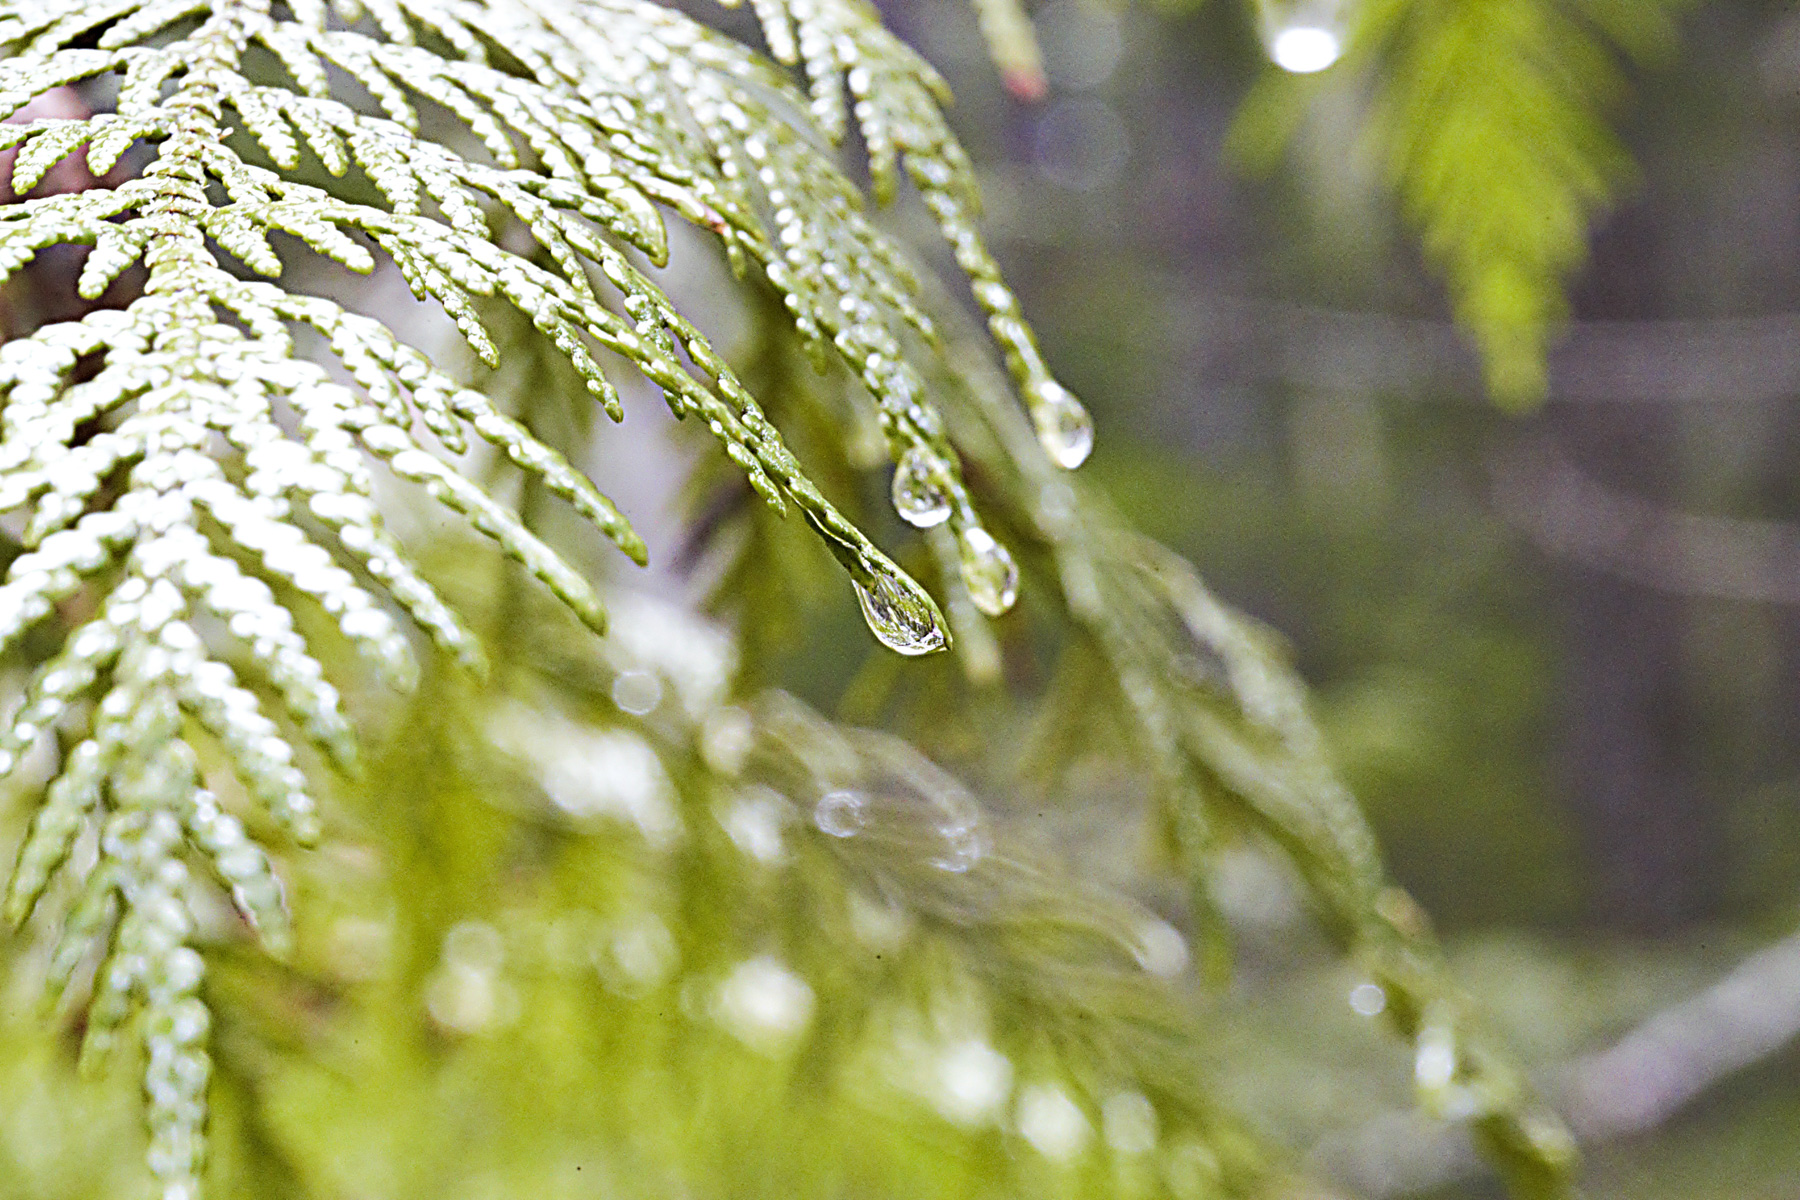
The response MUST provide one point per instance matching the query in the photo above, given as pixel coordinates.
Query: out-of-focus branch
(1569, 514)
(1241, 341)
(1673, 1057)
(1635, 1085)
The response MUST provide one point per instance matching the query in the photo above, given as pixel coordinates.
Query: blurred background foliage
(1553, 642)
(1555, 654)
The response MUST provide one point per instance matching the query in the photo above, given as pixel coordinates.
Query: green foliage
(207, 469)
(1489, 118)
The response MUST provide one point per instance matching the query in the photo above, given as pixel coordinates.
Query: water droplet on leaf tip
(917, 497)
(1160, 949)
(904, 624)
(988, 571)
(1064, 427)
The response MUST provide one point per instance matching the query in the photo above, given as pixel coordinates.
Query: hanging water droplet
(841, 814)
(900, 620)
(917, 497)
(988, 571)
(1064, 427)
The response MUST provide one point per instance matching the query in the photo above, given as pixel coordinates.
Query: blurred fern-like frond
(632, 931)
(1490, 119)
(823, 967)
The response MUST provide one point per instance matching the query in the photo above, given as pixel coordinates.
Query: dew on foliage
(1064, 428)
(899, 621)
(989, 571)
(917, 497)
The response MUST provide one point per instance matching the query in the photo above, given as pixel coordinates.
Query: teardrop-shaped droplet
(1063, 426)
(989, 572)
(917, 497)
(901, 621)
